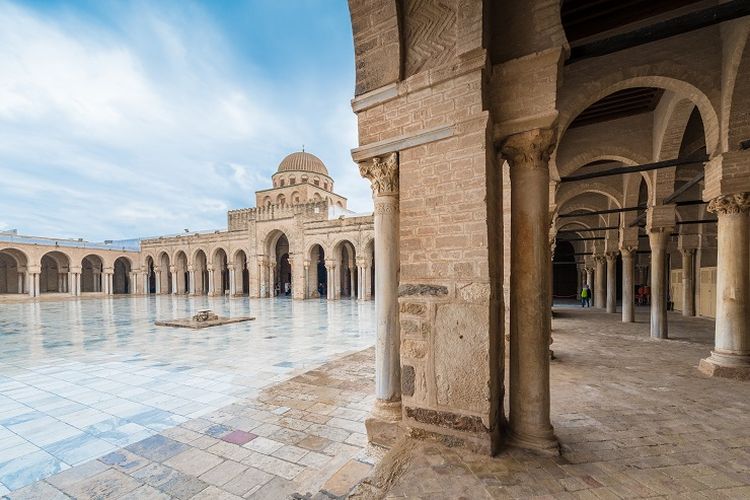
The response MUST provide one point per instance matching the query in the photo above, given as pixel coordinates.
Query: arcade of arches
(518, 150)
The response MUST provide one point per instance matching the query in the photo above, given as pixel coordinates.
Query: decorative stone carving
(382, 174)
(532, 148)
(628, 251)
(730, 204)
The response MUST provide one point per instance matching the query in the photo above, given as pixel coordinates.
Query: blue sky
(122, 119)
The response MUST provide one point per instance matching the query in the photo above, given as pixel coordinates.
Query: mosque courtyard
(81, 378)
(102, 404)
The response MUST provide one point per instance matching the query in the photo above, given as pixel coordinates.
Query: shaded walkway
(634, 416)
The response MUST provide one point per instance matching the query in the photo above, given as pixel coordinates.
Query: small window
(292, 181)
(282, 182)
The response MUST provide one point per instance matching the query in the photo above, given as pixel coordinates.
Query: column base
(545, 445)
(733, 366)
(384, 425)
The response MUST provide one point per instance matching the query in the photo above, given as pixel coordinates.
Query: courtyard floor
(81, 379)
(634, 416)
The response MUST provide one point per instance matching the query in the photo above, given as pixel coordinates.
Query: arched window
(316, 181)
(304, 179)
(281, 200)
(292, 181)
(282, 182)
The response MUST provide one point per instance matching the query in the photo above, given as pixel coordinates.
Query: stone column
(352, 282)
(272, 279)
(263, 273)
(628, 298)
(211, 289)
(731, 354)
(688, 281)
(599, 286)
(30, 287)
(529, 421)
(232, 282)
(145, 283)
(330, 279)
(306, 266)
(590, 277)
(658, 238)
(611, 282)
(76, 280)
(173, 274)
(191, 280)
(20, 282)
(383, 173)
(158, 282)
(60, 279)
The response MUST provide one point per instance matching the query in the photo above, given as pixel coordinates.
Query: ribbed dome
(304, 162)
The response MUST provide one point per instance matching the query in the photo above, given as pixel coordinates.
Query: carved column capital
(730, 204)
(599, 259)
(382, 173)
(531, 148)
(628, 251)
(611, 256)
(688, 251)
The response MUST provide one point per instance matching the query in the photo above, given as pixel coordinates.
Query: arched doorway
(92, 269)
(13, 271)
(181, 272)
(200, 273)
(121, 278)
(283, 280)
(163, 274)
(346, 270)
(53, 277)
(150, 275)
(220, 272)
(317, 278)
(241, 274)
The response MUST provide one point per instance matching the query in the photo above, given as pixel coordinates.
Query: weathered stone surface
(414, 349)
(475, 292)
(417, 289)
(407, 380)
(413, 308)
(462, 356)
(410, 327)
(454, 421)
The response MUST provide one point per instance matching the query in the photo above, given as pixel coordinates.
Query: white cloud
(148, 129)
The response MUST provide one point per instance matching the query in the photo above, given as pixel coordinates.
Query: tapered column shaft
(658, 241)
(528, 155)
(628, 298)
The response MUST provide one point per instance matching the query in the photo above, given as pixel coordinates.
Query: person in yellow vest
(585, 296)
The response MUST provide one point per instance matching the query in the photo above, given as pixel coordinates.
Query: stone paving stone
(193, 461)
(290, 453)
(263, 445)
(223, 473)
(238, 437)
(124, 461)
(71, 476)
(230, 451)
(146, 492)
(108, 484)
(36, 491)
(247, 480)
(214, 493)
(346, 478)
(157, 448)
(315, 443)
(277, 488)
